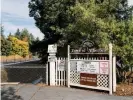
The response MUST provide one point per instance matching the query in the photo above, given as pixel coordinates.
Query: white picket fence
(60, 72)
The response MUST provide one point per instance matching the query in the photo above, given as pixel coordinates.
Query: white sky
(15, 14)
(130, 2)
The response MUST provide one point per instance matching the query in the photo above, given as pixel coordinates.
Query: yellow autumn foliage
(18, 46)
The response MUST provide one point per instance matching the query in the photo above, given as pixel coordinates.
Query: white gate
(93, 72)
(84, 70)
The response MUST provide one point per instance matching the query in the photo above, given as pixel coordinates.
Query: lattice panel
(74, 77)
(103, 81)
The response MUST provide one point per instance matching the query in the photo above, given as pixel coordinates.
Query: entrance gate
(94, 69)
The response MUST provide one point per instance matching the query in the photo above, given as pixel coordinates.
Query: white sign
(61, 65)
(52, 48)
(51, 58)
(88, 67)
(104, 67)
(80, 66)
(93, 67)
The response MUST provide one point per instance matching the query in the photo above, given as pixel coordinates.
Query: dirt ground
(124, 90)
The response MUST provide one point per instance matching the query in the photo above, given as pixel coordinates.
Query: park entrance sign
(84, 67)
(88, 79)
(91, 68)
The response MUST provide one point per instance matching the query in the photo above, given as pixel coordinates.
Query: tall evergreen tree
(37, 39)
(5, 44)
(2, 31)
(51, 16)
(31, 38)
(17, 34)
(25, 35)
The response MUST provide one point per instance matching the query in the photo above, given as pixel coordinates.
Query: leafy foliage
(24, 35)
(74, 21)
(18, 34)
(5, 47)
(105, 22)
(19, 47)
(17, 43)
(51, 16)
(5, 44)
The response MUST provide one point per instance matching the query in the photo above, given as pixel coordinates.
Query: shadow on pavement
(9, 94)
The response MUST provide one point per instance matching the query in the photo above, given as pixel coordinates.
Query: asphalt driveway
(34, 92)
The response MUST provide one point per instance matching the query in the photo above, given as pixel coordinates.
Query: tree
(5, 44)
(102, 23)
(2, 31)
(17, 34)
(37, 39)
(31, 38)
(24, 35)
(10, 34)
(18, 46)
(5, 47)
(51, 16)
(73, 21)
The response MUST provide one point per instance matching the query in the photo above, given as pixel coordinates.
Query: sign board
(61, 65)
(104, 67)
(52, 48)
(88, 67)
(80, 66)
(86, 50)
(51, 58)
(88, 79)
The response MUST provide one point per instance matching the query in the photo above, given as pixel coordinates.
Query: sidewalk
(34, 92)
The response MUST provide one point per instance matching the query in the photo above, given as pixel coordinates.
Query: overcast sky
(15, 14)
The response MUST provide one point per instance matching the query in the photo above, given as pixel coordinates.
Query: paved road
(19, 62)
(25, 64)
(33, 92)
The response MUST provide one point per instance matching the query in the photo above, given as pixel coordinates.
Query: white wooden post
(59, 74)
(114, 73)
(47, 73)
(68, 67)
(52, 71)
(56, 71)
(110, 70)
(52, 49)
